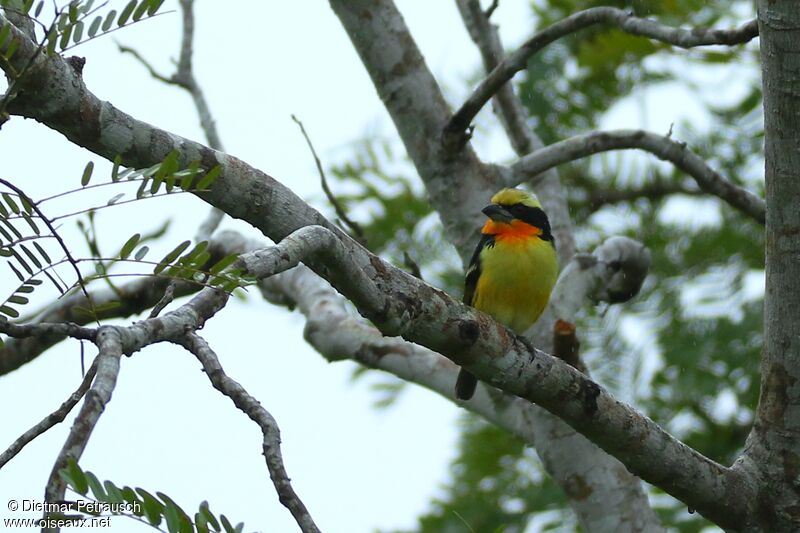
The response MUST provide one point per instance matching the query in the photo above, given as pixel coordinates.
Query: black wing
(474, 270)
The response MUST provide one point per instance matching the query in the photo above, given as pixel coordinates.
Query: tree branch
(773, 442)
(708, 179)
(457, 182)
(396, 302)
(269, 427)
(514, 119)
(56, 417)
(624, 20)
(109, 344)
(491, 352)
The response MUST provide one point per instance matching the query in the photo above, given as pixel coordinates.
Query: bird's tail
(465, 385)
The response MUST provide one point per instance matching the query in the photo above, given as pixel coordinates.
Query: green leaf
(11, 203)
(31, 256)
(87, 174)
(5, 31)
(17, 272)
(141, 252)
(108, 306)
(52, 41)
(115, 177)
(130, 496)
(140, 10)
(129, 245)
(87, 7)
(172, 518)
(5, 252)
(72, 12)
(154, 7)
(171, 256)
(38, 10)
(113, 492)
(223, 263)
(26, 204)
(209, 516)
(42, 253)
(95, 25)
(22, 262)
(77, 479)
(96, 487)
(151, 506)
(17, 299)
(114, 199)
(200, 523)
(9, 311)
(31, 223)
(126, 13)
(65, 36)
(55, 283)
(12, 48)
(109, 20)
(195, 252)
(3, 211)
(10, 226)
(36, 282)
(26, 289)
(226, 524)
(209, 178)
(77, 32)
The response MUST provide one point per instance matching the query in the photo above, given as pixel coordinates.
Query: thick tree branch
(611, 16)
(489, 350)
(269, 427)
(708, 179)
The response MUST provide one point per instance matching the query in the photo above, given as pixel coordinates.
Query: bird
(513, 269)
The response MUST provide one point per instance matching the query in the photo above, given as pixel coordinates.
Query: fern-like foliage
(138, 504)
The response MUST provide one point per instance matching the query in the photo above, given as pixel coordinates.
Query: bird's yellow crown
(515, 196)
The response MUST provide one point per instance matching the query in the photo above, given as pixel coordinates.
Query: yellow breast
(517, 275)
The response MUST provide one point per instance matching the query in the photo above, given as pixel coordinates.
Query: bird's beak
(497, 213)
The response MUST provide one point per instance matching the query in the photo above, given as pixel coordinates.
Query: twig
(169, 295)
(652, 191)
(411, 265)
(566, 345)
(514, 118)
(107, 361)
(340, 212)
(56, 417)
(269, 427)
(65, 329)
(506, 103)
(663, 147)
(490, 10)
(611, 16)
(55, 234)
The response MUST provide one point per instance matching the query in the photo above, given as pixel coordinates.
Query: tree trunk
(773, 449)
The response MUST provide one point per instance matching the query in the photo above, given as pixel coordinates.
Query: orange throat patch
(517, 229)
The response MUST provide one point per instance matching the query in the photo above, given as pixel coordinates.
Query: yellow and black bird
(513, 269)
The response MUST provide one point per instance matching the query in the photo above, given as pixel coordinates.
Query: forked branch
(610, 16)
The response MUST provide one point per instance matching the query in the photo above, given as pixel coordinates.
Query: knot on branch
(77, 64)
